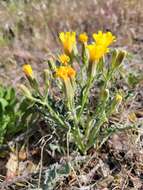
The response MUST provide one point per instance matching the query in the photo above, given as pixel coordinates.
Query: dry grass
(28, 33)
(30, 28)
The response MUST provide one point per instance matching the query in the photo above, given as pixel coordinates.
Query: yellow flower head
(61, 73)
(96, 52)
(71, 72)
(65, 72)
(118, 98)
(68, 40)
(27, 69)
(64, 59)
(104, 39)
(83, 38)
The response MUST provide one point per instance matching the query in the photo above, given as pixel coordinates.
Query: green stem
(87, 131)
(55, 115)
(76, 132)
(52, 112)
(108, 77)
(84, 98)
(94, 133)
(77, 136)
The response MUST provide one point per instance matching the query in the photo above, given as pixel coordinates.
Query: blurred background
(29, 29)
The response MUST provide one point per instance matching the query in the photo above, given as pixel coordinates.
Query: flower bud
(118, 98)
(83, 38)
(46, 77)
(114, 104)
(132, 117)
(120, 55)
(27, 69)
(64, 59)
(25, 91)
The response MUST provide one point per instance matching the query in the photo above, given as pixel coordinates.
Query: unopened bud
(120, 57)
(25, 91)
(118, 98)
(46, 76)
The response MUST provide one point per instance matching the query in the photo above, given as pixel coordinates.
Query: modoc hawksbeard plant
(76, 73)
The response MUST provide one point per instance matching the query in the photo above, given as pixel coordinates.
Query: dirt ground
(29, 34)
(29, 29)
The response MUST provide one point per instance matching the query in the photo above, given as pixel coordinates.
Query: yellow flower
(71, 72)
(61, 72)
(118, 98)
(68, 40)
(96, 52)
(65, 72)
(104, 39)
(27, 69)
(83, 38)
(64, 59)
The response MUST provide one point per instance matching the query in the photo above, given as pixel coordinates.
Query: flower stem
(84, 98)
(52, 112)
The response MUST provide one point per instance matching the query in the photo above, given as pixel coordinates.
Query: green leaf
(3, 104)
(2, 91)
(133, 80)
(10, 94)
(54, 174)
